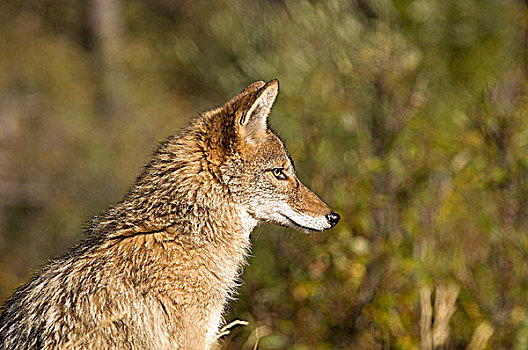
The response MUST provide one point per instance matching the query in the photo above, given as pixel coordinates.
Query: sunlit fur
(158, 267)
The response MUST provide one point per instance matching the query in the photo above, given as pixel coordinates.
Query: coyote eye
(278, 173)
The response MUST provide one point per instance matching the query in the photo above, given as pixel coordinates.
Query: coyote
(158, 268)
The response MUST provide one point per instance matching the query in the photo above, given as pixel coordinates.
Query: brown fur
(159, 266)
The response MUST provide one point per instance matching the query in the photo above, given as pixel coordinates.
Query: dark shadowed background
(409, 118)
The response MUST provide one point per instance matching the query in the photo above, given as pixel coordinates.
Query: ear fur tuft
(253, 123)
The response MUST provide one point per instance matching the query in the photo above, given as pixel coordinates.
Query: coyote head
(259, 172)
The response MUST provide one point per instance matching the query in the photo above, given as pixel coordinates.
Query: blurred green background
(410, 118)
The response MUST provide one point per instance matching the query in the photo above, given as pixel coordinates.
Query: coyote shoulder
(159, 266)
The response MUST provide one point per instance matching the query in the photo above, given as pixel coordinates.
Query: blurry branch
(105, 29)
(255, 336)
(415, 99)
(435, 335)
(480, 337)
(496, 119)
(420, 251)
(445, 299)
(393, 112)
(426, 318)
(525, 45)
(386, 121)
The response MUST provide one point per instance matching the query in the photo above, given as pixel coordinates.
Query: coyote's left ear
(253, 123)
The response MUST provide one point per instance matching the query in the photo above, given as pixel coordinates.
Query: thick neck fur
(185, 217)
(182, 187)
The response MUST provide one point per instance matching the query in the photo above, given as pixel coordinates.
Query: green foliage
(407, 117)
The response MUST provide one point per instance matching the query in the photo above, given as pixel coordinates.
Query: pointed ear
(253, 123)
(250, 89)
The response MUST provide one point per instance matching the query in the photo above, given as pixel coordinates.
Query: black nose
(333, 218)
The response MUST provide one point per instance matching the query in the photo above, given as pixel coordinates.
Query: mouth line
(300, 226)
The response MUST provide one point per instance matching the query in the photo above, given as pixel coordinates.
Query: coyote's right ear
(253, 123)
